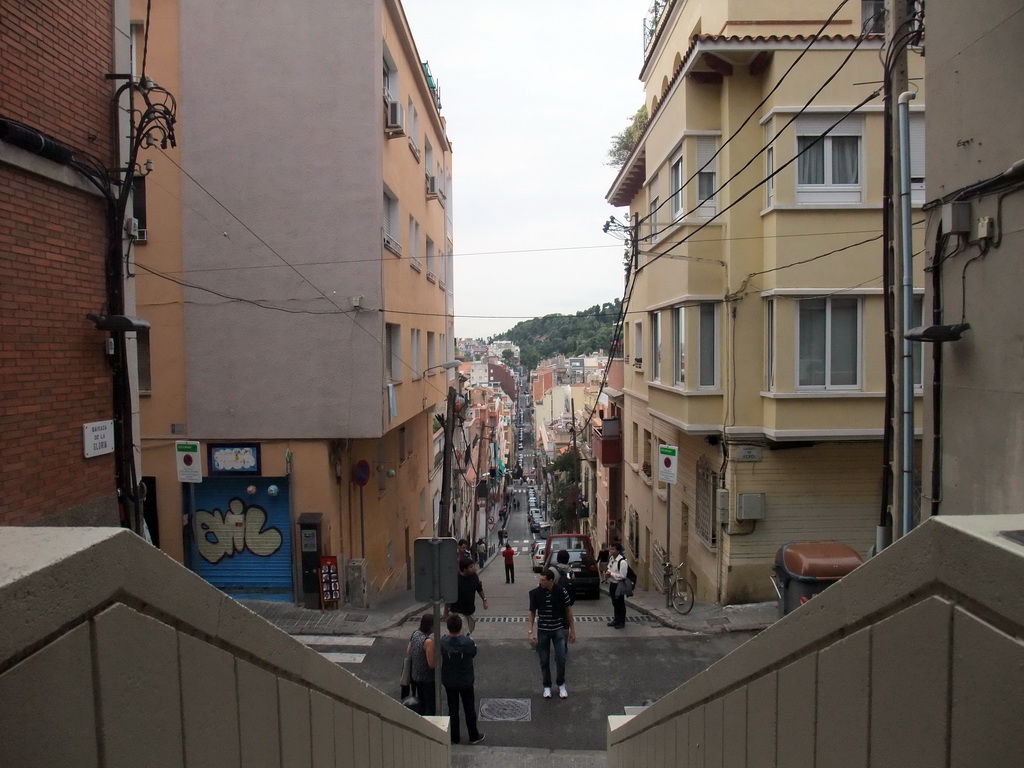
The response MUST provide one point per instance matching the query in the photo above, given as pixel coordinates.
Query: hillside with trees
(584, 333)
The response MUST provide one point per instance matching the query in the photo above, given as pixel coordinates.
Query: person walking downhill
(617, 570)
(481, 553)
(421, 651)
(457, 652)
(551, 613)
(510, 567)
(469, 587)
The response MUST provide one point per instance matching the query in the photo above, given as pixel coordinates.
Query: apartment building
(297, 275)
(755, 326)
(67, 399)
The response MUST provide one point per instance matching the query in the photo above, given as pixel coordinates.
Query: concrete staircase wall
(914, 659)
(112, 654)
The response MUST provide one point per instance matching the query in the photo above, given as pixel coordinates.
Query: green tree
(625, 141)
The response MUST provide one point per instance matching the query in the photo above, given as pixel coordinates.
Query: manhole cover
(355, 617)
(508, 710)
(718, 622)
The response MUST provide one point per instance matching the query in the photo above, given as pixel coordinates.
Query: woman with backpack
(618, 571)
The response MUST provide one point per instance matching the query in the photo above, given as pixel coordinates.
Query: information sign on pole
(436, 556)
(668, 456)
(189, 462)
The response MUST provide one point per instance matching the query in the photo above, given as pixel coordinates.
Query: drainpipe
(907, 305)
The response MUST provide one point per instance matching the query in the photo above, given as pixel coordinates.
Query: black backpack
(630, 573)
(565, 582)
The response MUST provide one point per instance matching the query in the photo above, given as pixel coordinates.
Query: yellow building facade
(754, 332)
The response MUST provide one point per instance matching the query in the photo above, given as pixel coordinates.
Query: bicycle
(681, 594)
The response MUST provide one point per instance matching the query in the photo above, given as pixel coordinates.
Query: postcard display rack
(330, 588)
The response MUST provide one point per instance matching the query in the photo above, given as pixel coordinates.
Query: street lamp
(447, 365)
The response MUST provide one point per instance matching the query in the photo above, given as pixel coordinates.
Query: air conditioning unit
(131, 227)
(392, 244)
(142, 236)
(432, 187)
(396, 119)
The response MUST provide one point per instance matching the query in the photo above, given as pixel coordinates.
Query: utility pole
(897, 35)
(443, 525)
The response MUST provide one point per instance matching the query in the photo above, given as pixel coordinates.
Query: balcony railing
(607, 442)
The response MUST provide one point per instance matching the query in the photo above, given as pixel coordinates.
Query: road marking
(334, 640)
(345, 658)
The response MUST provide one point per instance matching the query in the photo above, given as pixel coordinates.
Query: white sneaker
(562, 693)
(547, 693)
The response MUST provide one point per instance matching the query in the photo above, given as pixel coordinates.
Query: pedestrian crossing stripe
(345, 658)
(334, 640)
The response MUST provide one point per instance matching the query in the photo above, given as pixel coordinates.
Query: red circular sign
(667, 461)
(187, 459)
(361, 472)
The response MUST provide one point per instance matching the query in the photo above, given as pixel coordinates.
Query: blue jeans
(544, 642)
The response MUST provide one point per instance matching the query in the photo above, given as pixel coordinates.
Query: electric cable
(756, 111)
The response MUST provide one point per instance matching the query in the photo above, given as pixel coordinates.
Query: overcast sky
(532, 92)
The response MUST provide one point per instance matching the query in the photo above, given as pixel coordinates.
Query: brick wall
(53, 373)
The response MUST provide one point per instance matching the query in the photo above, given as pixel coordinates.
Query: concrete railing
(914, 659)
(112, 654)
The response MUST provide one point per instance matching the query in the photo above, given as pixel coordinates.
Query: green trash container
(804, 569)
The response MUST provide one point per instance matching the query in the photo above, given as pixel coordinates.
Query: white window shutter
(917, 145)
(706, 148)
(816, 125)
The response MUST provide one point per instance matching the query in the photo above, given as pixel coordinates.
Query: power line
(756, 110)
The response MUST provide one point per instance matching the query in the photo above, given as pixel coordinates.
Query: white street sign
(98, 438)
(667, 458)
(189, 462)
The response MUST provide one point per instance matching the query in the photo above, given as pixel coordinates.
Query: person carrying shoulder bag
(618, 571)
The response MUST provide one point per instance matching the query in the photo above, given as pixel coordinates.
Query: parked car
(539, 547)
(582, 564)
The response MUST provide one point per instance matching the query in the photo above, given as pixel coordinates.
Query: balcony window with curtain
(828, 166)
(708, 345)
(829, 343)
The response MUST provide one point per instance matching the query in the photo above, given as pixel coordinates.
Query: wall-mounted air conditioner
(392, 244)
(395, 124)
(432, 187)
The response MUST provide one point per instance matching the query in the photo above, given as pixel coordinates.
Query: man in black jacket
(469, 586)
(457, 652)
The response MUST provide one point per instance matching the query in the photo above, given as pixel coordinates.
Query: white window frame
(679, 345)
(769, 165)
(390, 77)
(414, 243)
(389, 226)
(676, 186)
(769, 343)
(393, 350)
(412, 129)
(655, 367)
(917, 157)
(706, 148)
(827, 192)
(431, 261)
(432, 366)
(708, 379)
(828, 385)
(652, 208)
(638, 343)
(416, 352)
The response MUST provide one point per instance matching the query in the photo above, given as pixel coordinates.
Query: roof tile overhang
(709, 59)
(630, 179)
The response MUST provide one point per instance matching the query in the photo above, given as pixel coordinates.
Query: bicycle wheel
(682, 596)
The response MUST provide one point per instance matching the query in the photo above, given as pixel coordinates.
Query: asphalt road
(607, 669)
(604, 675)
